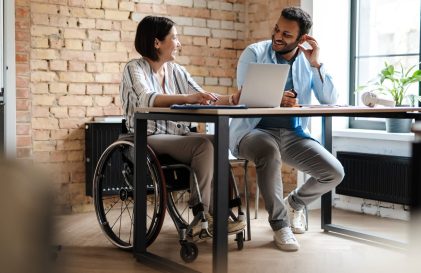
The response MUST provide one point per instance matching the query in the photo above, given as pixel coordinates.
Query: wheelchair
(168, 189)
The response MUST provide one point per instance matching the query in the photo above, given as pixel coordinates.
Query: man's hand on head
(312, 52)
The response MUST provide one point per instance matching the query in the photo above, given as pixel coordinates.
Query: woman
(154, 80)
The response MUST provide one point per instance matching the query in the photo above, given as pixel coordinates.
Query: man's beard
(288, 48)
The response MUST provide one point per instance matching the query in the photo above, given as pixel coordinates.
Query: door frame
(9, 78)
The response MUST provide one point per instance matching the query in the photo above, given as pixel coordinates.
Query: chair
(257, 195)
(168, 188)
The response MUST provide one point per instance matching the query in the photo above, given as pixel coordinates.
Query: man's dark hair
(149, 28)
(300, 16)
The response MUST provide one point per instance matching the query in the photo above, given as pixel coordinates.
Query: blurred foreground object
(26, 219)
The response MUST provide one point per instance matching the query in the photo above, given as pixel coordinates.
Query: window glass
(385, 31)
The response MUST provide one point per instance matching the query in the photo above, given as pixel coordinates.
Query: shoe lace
(287, 235)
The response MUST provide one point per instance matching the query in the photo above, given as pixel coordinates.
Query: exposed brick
(77, 88)
(117, 15)
(94, 112)
(76, 55)
(75, 77)
(74, 34)
(111, 57)
(47, 100)
(60, 134)
(44, 123)
(59, 112)
(76, 50)
(44, 8)
(40, 76)
(40, 134)
(58, 88)
(40, 111)
(77, 112)
(58, 65)
(109, 4)
(77, 66)
(38, 65)
(72, 123)
(75, 101)
(44, 54)
(73, 44)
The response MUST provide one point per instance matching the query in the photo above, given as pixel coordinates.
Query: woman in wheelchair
(154, 80)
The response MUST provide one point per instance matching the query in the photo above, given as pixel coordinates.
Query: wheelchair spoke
(112, 206)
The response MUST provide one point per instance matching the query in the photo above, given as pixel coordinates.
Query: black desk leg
(140, 174)
(326, 206)
(220, 199)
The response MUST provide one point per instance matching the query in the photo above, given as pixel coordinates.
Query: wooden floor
(85, 249)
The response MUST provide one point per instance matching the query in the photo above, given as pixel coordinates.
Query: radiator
(98, 136)
(376, 177)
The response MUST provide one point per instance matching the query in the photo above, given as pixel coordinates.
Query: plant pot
(397, 125)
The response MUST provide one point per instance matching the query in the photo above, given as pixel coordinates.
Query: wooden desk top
(283, 110)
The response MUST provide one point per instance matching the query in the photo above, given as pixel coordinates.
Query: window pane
(388, 27)
(387, 31)
(368, 68)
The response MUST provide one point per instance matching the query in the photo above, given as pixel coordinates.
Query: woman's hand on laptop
(289, 99)
(201, 98)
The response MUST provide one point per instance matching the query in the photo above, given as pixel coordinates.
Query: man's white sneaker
(285, 239)
(297, 218)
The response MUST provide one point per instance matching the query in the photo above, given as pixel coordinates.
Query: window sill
(373, 134)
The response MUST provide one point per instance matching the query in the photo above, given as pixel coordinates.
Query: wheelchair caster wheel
(240, 240)
(189, 252)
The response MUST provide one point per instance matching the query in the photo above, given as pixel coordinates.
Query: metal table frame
(221, 120)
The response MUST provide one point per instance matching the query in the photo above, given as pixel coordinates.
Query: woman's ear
(156, 43)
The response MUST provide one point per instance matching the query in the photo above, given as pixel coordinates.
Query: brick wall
(70, 54)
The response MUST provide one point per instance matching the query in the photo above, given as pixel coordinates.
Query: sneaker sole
(298, 230)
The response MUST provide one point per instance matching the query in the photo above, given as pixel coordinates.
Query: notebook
(210, 106)
(264, 85)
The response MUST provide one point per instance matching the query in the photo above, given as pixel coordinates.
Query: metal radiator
(98, 136)
(377, 177)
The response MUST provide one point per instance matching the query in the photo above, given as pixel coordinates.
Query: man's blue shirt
(306, 79)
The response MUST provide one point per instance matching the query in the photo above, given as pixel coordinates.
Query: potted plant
(394, 83)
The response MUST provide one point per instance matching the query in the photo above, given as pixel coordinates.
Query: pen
(215, 98)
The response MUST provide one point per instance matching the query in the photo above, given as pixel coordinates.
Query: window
(381, 31)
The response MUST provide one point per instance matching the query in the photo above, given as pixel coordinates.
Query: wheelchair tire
(113, 192)
(189, 252)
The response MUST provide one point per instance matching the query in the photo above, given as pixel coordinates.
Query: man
(268, 140)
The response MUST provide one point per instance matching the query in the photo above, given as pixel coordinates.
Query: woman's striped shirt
(139, 88)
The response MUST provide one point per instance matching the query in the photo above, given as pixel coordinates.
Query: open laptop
(264, 85)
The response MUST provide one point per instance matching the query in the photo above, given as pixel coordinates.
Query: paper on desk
(323, 105)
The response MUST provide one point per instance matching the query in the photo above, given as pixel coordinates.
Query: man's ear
(156, 43)
(302, 39)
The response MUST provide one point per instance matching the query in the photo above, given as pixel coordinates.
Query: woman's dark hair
(300, 16)
(149, 28)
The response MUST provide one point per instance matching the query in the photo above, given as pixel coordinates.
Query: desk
(220, 117)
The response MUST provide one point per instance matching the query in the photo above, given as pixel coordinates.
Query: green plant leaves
(394, 82)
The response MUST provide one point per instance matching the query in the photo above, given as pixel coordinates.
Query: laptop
(264, 85)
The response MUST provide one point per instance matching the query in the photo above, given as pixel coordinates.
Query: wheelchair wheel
(189, 252)
(113, 194)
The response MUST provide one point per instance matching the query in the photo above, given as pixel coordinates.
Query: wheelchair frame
(114, 203)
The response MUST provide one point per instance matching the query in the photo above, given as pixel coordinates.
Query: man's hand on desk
(289, 99)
